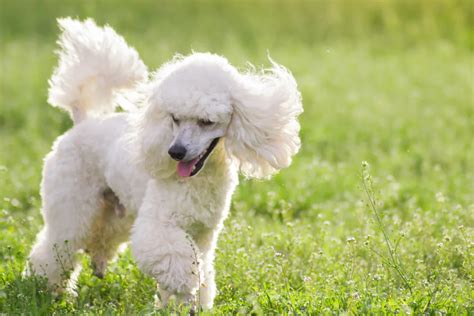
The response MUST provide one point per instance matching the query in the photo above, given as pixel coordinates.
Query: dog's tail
(95, 66)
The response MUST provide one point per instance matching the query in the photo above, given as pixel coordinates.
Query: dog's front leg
(164, 250)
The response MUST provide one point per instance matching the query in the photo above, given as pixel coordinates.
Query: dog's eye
(205, 123)
(174, 119)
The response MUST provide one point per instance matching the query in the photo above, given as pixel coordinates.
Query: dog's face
(194, 139)
(196, 101)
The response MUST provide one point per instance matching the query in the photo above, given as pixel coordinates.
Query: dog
(162, 171)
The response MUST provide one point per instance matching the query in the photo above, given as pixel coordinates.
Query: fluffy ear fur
(263, 134)
(149, 140)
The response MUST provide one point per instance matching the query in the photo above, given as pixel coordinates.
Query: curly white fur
(94, 63)
(123, 159)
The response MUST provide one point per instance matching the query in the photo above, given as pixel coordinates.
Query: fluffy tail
(95, 64)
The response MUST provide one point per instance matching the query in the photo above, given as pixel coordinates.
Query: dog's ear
(263, 133)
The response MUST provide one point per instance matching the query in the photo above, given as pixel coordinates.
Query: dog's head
(201, 100)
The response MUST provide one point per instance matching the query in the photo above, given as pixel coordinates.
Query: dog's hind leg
(109, 230)
(53, 257)
(71, 200)
(102, 249)
(54, 253)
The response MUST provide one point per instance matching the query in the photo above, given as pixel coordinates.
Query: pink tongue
(185, 168)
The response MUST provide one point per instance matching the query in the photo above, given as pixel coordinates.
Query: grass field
(386, 82)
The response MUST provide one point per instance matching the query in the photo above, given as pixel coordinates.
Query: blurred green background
(388, 82)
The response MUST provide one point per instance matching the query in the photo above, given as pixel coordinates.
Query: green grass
(387, 82)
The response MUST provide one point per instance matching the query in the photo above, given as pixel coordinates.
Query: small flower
(440, 197)
(350, 240)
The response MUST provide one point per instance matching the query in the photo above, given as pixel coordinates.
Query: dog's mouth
(192, 167)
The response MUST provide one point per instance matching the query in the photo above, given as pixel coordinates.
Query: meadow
(376, 213)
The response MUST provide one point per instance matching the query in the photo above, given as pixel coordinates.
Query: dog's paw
(178, 274)
(186, 300)
(165, 299)
(99, 265)
(162, 298)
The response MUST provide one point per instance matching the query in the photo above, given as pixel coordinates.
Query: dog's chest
(202, 203)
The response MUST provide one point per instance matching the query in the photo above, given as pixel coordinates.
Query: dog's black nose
(177, 152)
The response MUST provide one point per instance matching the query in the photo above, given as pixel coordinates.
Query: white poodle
(161, 174)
